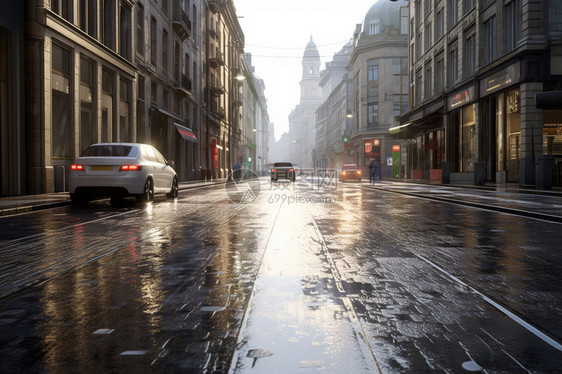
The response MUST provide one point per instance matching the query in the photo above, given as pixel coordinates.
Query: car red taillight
(274, 170)
(291, 170)
(131, 168)
(76, 167)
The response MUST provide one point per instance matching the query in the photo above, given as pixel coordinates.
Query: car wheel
(77, 198)
(116, 200)
(148, 192)
(173, 194)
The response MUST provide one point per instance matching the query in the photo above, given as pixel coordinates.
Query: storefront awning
(398, 129)
(186, 134)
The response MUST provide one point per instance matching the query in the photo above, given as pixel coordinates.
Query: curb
(66, 202)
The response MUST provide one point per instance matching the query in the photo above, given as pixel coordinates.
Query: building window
(426, 8)
(124, 32)
(108, 23)
(125, 133)
(373, 71)
(165, 98)
(468, 6)
(427, 82)
(153, 42)
(194, 22)
(62, 8)
(490, 36)
(373, 116)
(87, 16)
(404, 21)
(418, 87)
(452, 13)
(374, 28)
(428, 40)
(514, 21)
(469, 55)
(140, 29)
(88, 133)
(396, 67)
(177, 62)
(467, 139)
(194, 76)
(439, 73)
(177, 105)
(439, 24)
(140, 89)
(419, 45)
(107, 106)
(452, 67)
(60, 82)
(154, 93)
(164, 51)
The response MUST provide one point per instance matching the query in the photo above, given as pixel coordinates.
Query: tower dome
(383, 13)
(311, 51)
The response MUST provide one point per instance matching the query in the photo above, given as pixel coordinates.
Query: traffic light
(345, 139)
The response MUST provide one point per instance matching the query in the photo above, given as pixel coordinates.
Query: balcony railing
(219, 112)
(217, 60)
(181, 22)
(184, 86)
(216, 86)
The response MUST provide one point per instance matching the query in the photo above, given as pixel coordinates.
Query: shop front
(500, 140)
(462, 134)
(424, 152)
(552, 139)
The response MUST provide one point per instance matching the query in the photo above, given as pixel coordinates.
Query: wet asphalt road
(345, 278)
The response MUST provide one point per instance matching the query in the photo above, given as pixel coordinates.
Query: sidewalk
(512, 199)
(28, 203)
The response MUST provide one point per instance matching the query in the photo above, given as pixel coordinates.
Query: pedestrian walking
(375, 171)
(371, 171)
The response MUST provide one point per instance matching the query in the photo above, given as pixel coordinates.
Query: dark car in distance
(283, 170)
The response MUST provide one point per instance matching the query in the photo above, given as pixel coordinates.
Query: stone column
(531, 132)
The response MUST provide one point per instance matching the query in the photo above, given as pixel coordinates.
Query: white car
(121, 169)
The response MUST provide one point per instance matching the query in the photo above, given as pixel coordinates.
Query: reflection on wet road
(346, 279)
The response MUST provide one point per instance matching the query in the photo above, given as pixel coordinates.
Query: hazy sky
(276, 34)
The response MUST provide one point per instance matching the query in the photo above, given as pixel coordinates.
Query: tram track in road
(479, 292)
(511, 314)
(358, 328)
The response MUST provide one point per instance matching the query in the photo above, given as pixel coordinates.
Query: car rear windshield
(107, 151)
(283, 164)
(350, 167)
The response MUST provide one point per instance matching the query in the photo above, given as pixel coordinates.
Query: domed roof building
(379, 73)
(301, 120)
(383, 14)
(311, 51)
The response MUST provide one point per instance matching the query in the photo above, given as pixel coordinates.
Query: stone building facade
(475, 70)
(333, 125)
(302, 120)
(12, 99)
(378, 70)
(119, 70)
